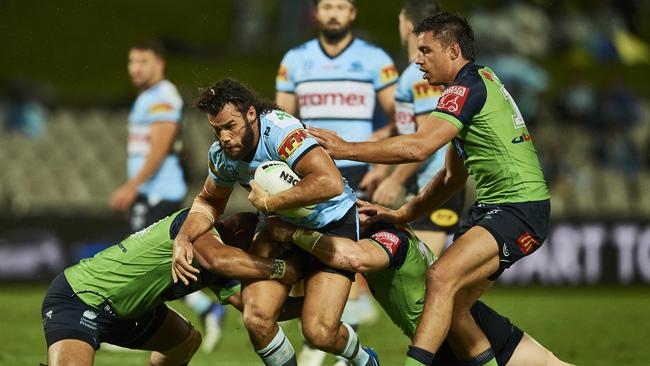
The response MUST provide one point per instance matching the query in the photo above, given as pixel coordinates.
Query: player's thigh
(471, 258)
(173, 331)
(529, 352)
(70, 352)
(325, 297)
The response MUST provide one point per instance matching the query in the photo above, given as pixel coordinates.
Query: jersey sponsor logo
(423, 90)
(521, 138)
(404, 118)
(332, 99)
(527, 243)
(487, 75)
(89, 314)
(444, 217)
(389, 73)
(453, 99)
(291, 143)
(336, 99)
(283, 74)
(161, 108)
(138, 140)
(388, 240)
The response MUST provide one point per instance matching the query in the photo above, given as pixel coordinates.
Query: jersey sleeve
(231, 287)
(387, 74)
(165, 105)
(459, 103)
(394, 242)
(425, 97)
(289, 138)
(284, 80)
(218, 169)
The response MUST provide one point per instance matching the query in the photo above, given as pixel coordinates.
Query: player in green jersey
(492, 144)
(394, 262)
(119, 295)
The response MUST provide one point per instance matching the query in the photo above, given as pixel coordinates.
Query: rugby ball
(275, 177)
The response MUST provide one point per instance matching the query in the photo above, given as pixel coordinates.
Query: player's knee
(320, 334)
(438, 280)
(258, 322)
(180, 354)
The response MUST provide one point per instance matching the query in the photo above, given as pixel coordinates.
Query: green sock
(492, 362)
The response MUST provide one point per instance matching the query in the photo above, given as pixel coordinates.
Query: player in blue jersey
(415, 99)
(250, 132)
(334, 81)
(156, 186)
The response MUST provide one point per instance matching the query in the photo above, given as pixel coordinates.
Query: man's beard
(333, 36)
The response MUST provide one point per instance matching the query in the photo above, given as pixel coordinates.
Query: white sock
(353, 351)
(279, 352)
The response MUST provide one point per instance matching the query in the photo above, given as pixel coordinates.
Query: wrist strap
(307, 240)
(279, 267)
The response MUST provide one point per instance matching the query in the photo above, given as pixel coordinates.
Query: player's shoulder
(366, 45)
(305, 47)
(164, 90)
(277, 120)
(470, 75)
(215, 151)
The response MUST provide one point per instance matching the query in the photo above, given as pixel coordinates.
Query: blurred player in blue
(249, 133)
(415, 99)
(156, 185)
(334, 81)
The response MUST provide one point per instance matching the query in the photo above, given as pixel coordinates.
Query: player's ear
(251, 114)
(454, 51)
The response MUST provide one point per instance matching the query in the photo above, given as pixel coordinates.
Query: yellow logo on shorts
(444, 217)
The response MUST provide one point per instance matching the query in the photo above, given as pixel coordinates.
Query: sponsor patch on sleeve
(422, 89)
(389, 73)
(160, 108)
(453, 99)
(291, 143)
(388, 240)
(283, 74)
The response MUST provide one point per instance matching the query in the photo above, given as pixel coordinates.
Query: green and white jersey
(493, 138)
(400, 288)
(134, 276)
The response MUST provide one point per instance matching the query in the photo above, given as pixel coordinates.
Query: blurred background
(579, 71)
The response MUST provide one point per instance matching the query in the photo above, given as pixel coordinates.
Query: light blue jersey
(282, 137)
(413, 97)
(337, 93)
(160, 102)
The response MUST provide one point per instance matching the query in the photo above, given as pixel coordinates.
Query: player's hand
(123, 197)
(280, 230)
(388, 192)
(293, 271)
(371, 213)
(258, 197)
(371, 181)
(182, 261)
(330, 141)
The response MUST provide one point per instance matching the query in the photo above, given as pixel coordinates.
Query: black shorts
(518, 228)
(445, 218)
(504, 336)
(354, 175)
(65, 316)
(144, 214)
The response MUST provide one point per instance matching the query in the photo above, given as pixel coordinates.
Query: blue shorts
(518, 228)
(65, 316)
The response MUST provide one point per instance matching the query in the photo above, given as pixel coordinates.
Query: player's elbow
(330, 185)
(353, 261)
(456, 179)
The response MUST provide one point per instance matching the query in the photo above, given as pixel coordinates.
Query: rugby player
(156, 185)
(334, 81)
(250, 132)
(415, 99)
(119, 295)
(394, 262)
(492, 143)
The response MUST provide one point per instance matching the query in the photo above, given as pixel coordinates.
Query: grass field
(586, 326)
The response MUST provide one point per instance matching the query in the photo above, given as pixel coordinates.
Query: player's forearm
(394, 150)
(235, 263)
(438, 191)
(312, 189)
(403, 172)
(195, 224)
